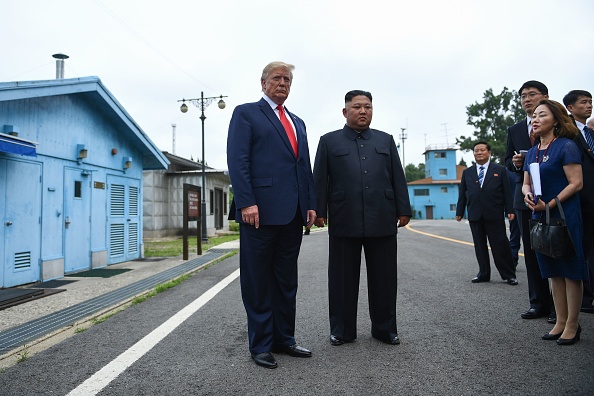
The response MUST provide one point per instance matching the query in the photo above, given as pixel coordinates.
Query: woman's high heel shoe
(551, 337)
(570, 341)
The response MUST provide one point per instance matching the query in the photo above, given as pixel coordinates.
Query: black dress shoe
(552, 319)
(392, 340)
(336, 341)
(292, 350)
(532, 314)
(551, 337)
(570, 341)
(265, 360)
(512, 281)
(476, 279)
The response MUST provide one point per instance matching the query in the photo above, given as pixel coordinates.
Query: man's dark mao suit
(538, 288)
(265, 172)
(361, 190)
(587, 203)
(487, 207)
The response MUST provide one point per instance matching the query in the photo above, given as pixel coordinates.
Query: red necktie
(288, 129)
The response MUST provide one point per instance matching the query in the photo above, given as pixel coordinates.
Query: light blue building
(435, 196)
(71, 166)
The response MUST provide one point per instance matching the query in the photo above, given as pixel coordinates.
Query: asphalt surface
(458, 338)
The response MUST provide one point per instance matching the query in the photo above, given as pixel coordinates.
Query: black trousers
(344, 267)
(538, 288)
(502, 256)
(588, 245)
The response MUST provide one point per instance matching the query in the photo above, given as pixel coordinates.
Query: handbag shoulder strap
(562, 218)
(560, 209)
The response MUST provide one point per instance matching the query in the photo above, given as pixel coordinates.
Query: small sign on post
(191, 213)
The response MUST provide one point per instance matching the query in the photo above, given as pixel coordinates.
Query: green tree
(462, 162)
(490, 118)
(414, 172)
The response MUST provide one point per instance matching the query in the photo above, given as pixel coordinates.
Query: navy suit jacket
(489, 202)
(517, 139)
(263, 167)
(587, 191)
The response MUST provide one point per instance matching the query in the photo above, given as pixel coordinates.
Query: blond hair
(275, 65)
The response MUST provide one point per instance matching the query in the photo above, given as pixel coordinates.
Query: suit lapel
(473, 176)
(581, 140)
(525, 138)
(489, 175)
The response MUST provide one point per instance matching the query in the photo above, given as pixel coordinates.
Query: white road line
(103, 377)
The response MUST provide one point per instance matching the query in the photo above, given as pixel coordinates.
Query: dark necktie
(288, 129)
(589, 138)
(530, 134)
(481, 175)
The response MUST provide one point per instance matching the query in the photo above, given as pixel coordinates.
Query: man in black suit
(485, 190)
(579, 104)
(518, 141)
(361, 188)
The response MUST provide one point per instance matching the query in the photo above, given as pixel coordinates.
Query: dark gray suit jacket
(360, 183)
(517, 139)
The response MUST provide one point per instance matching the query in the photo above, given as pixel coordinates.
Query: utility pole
(445, 126)
(403, 137)
(173, 127)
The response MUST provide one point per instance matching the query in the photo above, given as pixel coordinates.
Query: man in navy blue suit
(270, 170)
(485, 190)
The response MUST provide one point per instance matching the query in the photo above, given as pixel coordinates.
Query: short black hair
(534, 84)
(572, 96)
(357, 92)
(482, 142)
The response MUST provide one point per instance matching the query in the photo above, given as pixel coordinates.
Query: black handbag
(551, 237)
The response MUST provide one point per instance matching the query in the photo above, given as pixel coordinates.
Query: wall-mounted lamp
(81, 151)
(127, 162)
(11, 130)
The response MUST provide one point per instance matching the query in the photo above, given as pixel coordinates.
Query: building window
(421, 192)
(77, 189)
(225, 203)
(452, 207)
(443, 172)
(440, 154)
(211, 201)
(444, 190)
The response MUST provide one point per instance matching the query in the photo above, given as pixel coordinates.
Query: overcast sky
(424, 61)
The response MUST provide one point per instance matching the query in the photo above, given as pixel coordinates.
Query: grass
(175, 247)
(23, 354)
(160, 289)
(104, 318)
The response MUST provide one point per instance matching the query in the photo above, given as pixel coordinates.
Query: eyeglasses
(530, 95)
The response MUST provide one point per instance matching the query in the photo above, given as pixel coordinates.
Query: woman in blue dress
(560, 167)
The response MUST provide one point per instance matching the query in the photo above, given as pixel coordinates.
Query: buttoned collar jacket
(360, 185)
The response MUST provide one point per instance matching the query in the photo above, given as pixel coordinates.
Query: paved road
(458, 338)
